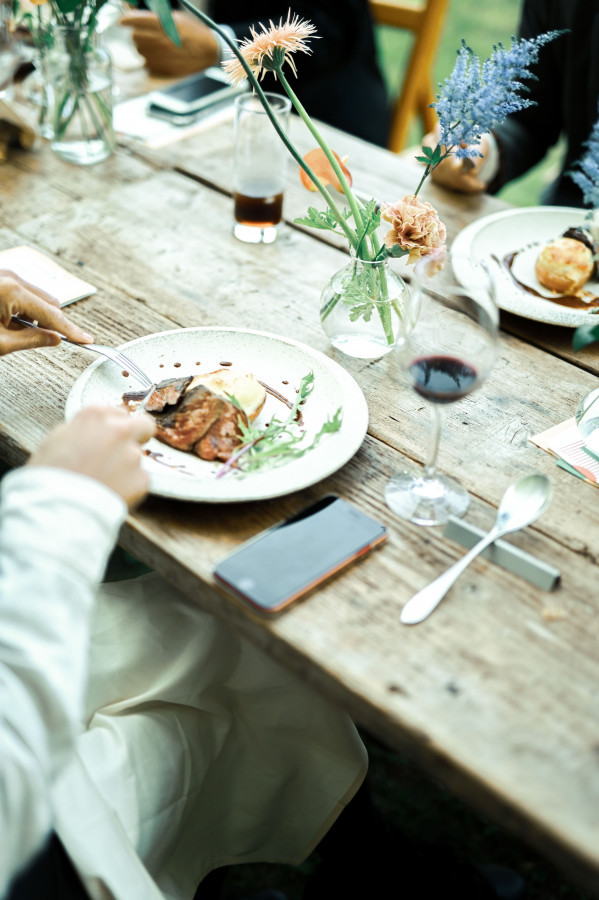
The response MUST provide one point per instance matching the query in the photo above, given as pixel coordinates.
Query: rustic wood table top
(496, 694)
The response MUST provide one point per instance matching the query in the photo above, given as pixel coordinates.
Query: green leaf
(326, 220)
(68, 6)
(280, 440)
(396, 251)
(585, 335)
(361, 311)
(162, 8)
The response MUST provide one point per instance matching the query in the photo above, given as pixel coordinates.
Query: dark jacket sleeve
(525, 137)
(565, 94)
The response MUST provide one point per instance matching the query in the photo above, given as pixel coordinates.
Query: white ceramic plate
(524, 231)
(273, 360)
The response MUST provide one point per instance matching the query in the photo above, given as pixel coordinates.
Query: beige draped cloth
(199, 751)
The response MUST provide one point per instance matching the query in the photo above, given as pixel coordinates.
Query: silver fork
(109, 352)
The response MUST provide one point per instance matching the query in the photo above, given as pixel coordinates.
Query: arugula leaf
(280, 441)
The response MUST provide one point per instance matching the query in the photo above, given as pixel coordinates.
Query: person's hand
(17, 297)
(198, 50)
(104, 443)
(463, 175)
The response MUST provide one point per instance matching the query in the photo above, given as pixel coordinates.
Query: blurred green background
(482, 24)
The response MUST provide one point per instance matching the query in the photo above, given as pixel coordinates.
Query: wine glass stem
(431, 463)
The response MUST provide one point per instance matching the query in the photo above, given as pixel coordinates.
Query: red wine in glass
(447, 354)
(442, 379)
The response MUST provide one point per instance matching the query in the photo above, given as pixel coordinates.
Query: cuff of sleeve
(224, 51)
(68, 517)
(490, 165)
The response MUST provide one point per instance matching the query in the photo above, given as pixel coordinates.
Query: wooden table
(496, 694)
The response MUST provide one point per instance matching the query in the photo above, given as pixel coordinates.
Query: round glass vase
(80, 78)
(362, 308)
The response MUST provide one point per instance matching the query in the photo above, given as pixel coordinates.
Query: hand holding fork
(23, 306)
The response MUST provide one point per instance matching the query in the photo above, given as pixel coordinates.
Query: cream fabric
(190, 750)
(209, 752)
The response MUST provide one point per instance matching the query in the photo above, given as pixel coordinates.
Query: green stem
(353, 203)
(431, 168)
(261, 96)
(384, 312)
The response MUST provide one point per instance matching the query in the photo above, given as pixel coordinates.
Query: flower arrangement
(83, 14)
(78, 81)
(472, 100)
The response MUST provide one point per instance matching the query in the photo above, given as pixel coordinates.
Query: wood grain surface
(495, 694)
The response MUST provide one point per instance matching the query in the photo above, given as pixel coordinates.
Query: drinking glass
(10, 56)
(447, 354)
(587, 420)
(259, 167)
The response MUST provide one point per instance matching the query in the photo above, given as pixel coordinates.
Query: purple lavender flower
(474, 99)
(586, 170)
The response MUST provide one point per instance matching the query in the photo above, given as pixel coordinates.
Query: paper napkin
(43, 272)
(566, 443)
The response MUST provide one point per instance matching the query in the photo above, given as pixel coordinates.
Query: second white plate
(518, 230)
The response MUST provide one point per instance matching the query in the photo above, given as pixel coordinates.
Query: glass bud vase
(362, 309)
(81, 89)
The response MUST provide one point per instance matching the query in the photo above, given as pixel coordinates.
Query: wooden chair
(425, 21)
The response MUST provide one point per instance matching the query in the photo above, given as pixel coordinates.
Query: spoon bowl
(523, 502)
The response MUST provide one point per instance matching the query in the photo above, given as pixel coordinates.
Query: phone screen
(192, 95)
(194, 88)
(283, 563)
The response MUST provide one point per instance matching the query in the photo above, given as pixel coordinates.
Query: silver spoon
(522, 503)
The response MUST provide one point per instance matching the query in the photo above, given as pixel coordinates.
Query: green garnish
(280, 441)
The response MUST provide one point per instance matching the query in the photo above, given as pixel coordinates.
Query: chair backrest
(425, 20)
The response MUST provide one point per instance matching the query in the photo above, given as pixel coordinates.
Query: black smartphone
(193, 94)
(285, 562)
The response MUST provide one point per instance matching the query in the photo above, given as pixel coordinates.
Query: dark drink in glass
(442, 379)
(263, 211)
(259, 167)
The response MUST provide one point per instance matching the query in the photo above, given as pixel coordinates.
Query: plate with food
(545, 257)
(240, 415)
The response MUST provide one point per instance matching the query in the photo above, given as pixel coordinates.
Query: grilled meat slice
(185, 425)
(224, 436)
(167, 393)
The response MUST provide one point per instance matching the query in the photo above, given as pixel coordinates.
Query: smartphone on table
(286, 561)
(193, 95)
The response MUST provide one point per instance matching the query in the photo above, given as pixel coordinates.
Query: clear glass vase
(80, 77)
(37, 88)
(362, 309)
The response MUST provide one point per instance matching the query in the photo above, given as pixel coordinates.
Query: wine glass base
(426, 500)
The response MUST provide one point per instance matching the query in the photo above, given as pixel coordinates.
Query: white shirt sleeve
(56, 531)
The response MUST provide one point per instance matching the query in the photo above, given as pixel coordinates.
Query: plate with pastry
(546, 260)
(240, 414)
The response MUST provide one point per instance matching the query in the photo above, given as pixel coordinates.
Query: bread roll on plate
(564, 265)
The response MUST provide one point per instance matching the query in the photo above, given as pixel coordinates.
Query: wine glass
(587, 419)
(449, 350)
